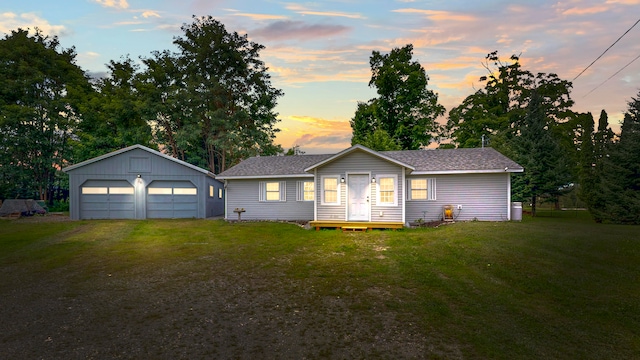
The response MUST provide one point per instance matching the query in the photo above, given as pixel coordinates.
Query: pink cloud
(286, 29)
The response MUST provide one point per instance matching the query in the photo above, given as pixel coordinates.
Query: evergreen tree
(540, 154)
(589, 185)
(621, 171)
(595, 193)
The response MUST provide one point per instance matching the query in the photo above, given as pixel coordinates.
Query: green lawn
(555, 287)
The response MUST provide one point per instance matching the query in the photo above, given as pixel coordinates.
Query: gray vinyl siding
(215, 204)
(359, 162)
(127, 166)
(245, 194)
(482, 196)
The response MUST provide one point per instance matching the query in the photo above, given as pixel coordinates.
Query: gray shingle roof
(455, 160)
(273, 166)
(442, 160)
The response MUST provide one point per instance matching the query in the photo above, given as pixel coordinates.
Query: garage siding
(138, 167)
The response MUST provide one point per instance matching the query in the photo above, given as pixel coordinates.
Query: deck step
(354, 228)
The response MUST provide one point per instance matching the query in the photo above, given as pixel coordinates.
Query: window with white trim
(421, 189)
(387, 190)
(211, 191)
(331, 190)
(272, 191)
(305, 191)
(219, 193)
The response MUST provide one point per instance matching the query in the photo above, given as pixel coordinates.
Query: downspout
(316, 187)
(404, 196)
(225, 200)
(509, 196)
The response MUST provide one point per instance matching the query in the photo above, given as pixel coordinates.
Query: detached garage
(140, 183)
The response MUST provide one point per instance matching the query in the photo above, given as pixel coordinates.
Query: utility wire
(616, 73)
(598, 58)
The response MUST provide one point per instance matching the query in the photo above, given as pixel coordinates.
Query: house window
(422, 189)
(387, 190)
(211, 191)
(272, 191)
(305, 191)
(219, 193)
(331, 190)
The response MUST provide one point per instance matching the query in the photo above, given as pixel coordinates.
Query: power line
(616, 73)
(598, 58)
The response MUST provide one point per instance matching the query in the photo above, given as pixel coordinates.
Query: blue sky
(318, 52)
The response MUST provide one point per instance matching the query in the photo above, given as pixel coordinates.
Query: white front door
(358, 197)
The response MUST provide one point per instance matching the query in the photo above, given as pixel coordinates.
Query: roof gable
(133, 147)
(359, 147)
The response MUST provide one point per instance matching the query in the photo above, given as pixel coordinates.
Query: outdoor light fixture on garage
(342, 179)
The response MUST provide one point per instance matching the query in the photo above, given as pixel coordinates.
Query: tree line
(211, 103)
(526, 116)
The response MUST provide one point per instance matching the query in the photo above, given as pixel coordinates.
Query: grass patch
(555, 286)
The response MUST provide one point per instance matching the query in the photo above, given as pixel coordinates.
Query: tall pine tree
(621, 171)
(540, 154)
(593, 186)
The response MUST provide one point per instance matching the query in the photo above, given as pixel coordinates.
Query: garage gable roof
(133, 147)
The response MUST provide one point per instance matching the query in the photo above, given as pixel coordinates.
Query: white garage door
(107, 199)
(172, 199)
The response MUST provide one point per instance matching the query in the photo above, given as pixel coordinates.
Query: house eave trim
(253, 177)
(458, 172)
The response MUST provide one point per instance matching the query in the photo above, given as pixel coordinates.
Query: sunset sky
(318, 52)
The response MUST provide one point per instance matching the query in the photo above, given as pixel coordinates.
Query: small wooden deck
(355, 225)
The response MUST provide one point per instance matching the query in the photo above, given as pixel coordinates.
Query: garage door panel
(95, 206)
(121, 206)
(160, 214)
(172, 199)
(107, 199)
(122, 214)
